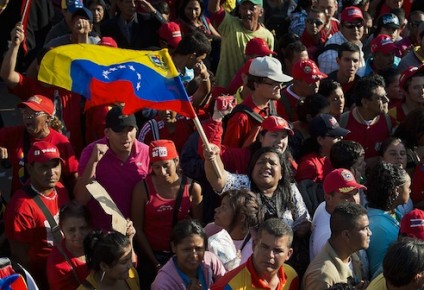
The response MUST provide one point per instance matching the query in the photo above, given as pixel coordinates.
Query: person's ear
(173, 248)
(103, 266)
(289, 254)
(320, 140)
(29, 168)
(338, 60)
(261, 12)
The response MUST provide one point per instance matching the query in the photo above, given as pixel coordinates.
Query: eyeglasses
(353, 25)
(275, 85)
(31, 115)
(317, 22)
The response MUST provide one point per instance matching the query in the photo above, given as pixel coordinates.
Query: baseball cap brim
(338, 132)
(282, 78)
(315, 77)
(33, 106)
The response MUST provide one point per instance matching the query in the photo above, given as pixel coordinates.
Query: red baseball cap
(409, 73)
(43, 152)
(341, 180)
(39, 103)
(276, 123)
(383, 43)
(258, 46)
(412, 224)
(162, 150)
(351, 14)
(308, 71)
(108, 41)
(171, 33)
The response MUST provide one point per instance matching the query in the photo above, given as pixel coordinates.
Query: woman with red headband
(158, 203)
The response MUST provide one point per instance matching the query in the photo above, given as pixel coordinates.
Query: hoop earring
(102, 277)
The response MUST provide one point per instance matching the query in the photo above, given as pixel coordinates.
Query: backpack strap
(57, 234)
(178, 201)
(332, 46)
(242, 108)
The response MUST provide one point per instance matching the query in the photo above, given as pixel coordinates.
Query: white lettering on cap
(160, 152)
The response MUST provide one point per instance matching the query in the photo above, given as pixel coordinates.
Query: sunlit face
(314, 23)
(269, 89)
(353, 31)
(189, 254)
(348, 64)
(337, 102)
(168, 116)
(165, 170)
(250, 14)
(278, 139)
(45, 176)
(121, 142)
(34, 122)
(376, 104)
(193, 10)
(396, 153)
(267, 171)
(360, 236)
(98, 12)
(270, 252)
(329, 7)
(74, 229)
(120, 271)
(224, 214)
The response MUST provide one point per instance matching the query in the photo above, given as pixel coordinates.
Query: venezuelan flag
(106, 75)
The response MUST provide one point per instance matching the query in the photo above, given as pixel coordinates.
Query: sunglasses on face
(317, 22)
(353, 25)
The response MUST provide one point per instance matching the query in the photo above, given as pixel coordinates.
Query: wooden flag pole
(206, 142)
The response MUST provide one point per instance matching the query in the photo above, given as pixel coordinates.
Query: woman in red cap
(158, 203)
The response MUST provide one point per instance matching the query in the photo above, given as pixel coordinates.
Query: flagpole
(206, 142)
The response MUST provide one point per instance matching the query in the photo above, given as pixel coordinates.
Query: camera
(223, 102)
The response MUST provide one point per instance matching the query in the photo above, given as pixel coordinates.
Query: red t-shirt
(288, 112)
(158, 214)
(25, 223)
(417, 186)
(313, 167)
(241, 129)
(370, 137)
(71, 106)
(13, 139)
(59, 272)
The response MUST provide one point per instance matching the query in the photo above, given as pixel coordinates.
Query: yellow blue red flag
(106, 75)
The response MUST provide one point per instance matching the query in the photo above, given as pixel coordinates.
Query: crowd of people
(312, 177)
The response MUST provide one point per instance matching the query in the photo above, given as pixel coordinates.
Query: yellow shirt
(133, 281)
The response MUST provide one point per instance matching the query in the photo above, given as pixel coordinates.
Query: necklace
(362, 119)
(51, 197)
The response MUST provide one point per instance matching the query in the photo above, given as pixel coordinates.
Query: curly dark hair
(243, 202)
(382, 182)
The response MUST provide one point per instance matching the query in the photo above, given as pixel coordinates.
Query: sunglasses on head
(317, 22)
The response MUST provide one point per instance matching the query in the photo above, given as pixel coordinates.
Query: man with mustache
(235, 33)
